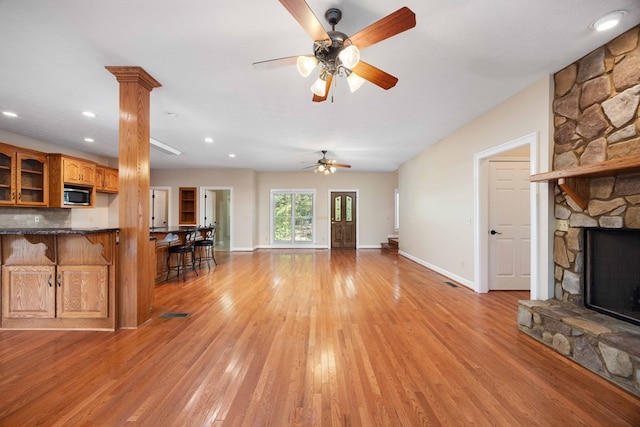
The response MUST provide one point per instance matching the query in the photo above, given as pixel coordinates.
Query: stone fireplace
(596, 166)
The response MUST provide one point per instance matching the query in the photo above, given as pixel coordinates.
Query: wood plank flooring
(304, 338)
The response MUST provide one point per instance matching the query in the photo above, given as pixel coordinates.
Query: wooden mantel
(575, 181)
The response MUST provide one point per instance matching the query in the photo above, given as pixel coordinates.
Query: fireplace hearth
(612, 274)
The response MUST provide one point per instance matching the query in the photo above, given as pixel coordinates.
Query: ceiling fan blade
(340, 165)
(301, 11)
(375, 75)
(401, 20)
(275, 63)
(327, 87)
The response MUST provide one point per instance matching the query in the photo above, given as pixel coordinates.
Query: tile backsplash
(26, 218)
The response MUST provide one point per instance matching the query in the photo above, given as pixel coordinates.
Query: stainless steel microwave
(77, 196)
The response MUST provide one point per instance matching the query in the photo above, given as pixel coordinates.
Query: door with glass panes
(343, 220)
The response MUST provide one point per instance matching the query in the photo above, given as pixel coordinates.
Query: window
(396, 219)
(292, 213)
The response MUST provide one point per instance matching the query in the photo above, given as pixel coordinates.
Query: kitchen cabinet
(23, 177)
(106, 179)
(78, 171)
(187, 205)
(58, 279)
(50, 292)
(70, 171)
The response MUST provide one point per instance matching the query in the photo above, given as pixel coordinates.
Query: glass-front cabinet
(23, 177)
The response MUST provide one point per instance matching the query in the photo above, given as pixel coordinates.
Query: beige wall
(243, 195)
(375, 202)
(437, 186)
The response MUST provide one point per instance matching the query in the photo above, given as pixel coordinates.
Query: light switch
(562, 225)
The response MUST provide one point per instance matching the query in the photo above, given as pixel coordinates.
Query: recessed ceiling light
(89, 140)
(208, 140)
(9, 114)
(88, 114)
(608, 21)
(232, 155)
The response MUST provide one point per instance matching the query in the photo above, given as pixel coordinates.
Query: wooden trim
(606, 168)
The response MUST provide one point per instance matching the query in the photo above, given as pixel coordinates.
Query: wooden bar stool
(206, 248)
(181, 252)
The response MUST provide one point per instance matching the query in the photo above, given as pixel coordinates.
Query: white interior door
(159, 208)
(509, 222)
(209, 207)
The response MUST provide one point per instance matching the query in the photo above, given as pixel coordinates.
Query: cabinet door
(100, 183)
(71, 171)
(106, 179)
(82, 291)
(111, 180)
(87, 173)
(7, 176)
(28, 291)
(32, 179)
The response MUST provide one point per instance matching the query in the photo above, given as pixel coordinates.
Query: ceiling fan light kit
(327, 166)
(338, 54)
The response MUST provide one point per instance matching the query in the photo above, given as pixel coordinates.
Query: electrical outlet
(36, 218)
(562, 225)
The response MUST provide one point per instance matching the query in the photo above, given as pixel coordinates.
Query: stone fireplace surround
(596, 119)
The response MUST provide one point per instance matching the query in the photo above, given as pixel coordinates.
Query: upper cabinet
(23, 177)
(106, 179)
(78, 171)
(70, 171)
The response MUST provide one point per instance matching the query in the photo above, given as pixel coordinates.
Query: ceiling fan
(327, 166)
(338, 54)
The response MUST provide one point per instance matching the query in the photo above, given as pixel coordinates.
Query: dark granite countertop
(55, 231)
(180, 228)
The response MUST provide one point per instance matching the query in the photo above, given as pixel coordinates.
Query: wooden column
(134, 251)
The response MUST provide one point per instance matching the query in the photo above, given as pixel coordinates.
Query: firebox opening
(612, 273)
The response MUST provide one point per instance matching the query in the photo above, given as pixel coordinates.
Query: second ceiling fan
(338, 54)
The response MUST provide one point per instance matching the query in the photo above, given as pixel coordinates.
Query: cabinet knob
(58, 280)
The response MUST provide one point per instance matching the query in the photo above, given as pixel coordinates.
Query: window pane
(304, 229)
(282, 217)
(348, 202)
(304, 205)
(282, 229)
(337, 214)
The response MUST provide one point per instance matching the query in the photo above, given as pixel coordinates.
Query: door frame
(541, 205)
(331, 190)
(201, 194)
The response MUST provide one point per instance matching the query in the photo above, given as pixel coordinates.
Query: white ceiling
(462, 58)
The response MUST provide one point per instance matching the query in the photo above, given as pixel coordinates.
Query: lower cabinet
(71, 284)
(28, 291)
(49, 292)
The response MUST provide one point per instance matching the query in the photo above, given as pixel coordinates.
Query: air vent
(173, 315)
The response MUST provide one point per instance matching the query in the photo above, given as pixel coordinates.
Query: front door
(509, 219)
(343, 220)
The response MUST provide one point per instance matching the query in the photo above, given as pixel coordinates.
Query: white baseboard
(469, 284)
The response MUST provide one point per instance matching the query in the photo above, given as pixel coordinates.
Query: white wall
(375, 202)
(437, 186)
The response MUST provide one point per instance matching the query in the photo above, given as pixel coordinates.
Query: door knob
(494, 232)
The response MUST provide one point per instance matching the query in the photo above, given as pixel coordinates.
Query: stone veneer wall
(596, 118)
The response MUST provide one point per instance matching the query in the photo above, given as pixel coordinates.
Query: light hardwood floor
(307, 337)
